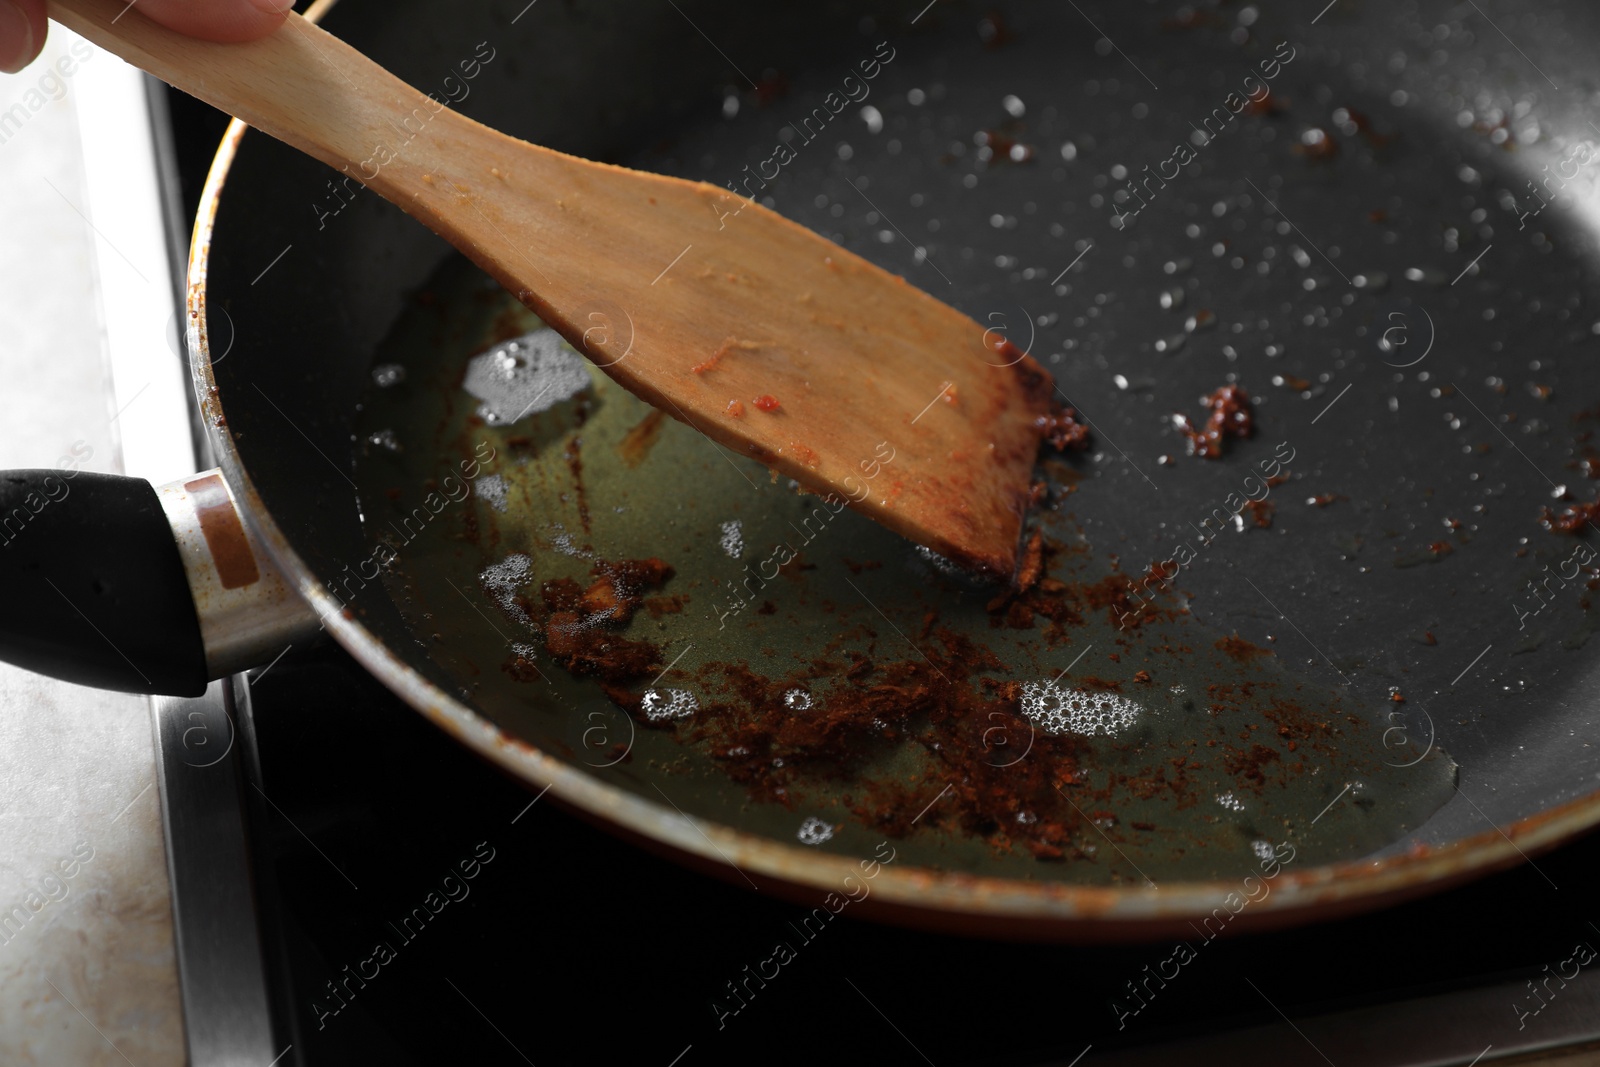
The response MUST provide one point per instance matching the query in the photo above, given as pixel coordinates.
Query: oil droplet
(502, 580)
(662, 705)
(1057, 710)
(384, 439)
(732, 538)
(493, 489)
(388, 375)
(532, 373)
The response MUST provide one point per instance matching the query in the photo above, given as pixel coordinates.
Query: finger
(22, 27)
(217, 20)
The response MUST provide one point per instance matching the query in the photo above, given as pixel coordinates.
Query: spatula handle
(300, 84)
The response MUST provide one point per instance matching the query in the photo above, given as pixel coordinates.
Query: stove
(353, 887)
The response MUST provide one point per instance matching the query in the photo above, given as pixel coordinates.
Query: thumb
(22, 26)
(23, 23)
(217, 20)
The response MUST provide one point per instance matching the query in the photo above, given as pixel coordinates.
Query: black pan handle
(92, 588)
(111, 582)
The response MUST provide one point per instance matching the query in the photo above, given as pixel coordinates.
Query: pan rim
(915, 896)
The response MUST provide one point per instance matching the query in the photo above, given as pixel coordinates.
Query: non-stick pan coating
(1392, 153)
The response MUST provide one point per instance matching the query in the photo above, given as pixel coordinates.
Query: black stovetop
(570, 946)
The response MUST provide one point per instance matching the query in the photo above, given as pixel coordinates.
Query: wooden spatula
(753, 330)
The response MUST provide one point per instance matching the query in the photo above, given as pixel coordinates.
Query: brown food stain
(1032, 565)
(1571, 519)
(1060, 429)
(636, 444)
(1240, 649)
(574, 457)
(658, 606)
(522, 668)
(581, 624)
(726, 349)
(1230, 416)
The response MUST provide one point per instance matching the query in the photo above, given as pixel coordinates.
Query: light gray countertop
(87, 968)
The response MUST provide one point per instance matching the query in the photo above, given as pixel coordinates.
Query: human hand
(23, 23)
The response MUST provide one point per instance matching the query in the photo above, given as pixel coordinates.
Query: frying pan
(1376, 688)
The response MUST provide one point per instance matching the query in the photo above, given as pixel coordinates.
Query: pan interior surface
(1318, 246)
(609, 584)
